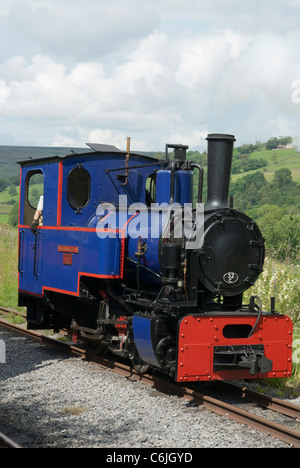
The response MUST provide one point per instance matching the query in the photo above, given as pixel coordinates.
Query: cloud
(83, 31)
(205, 57)
(165, 71)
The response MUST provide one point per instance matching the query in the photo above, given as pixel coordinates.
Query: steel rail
(11, 311)
(7, 442)
(241, 416)
(272, 403)
(214, 405)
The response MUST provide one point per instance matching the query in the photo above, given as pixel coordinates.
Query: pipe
(200, 184)
(172, 185)
(127, 161)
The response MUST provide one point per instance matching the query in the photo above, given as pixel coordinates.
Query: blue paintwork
(142, 339)
(183, 186)
(41, 262)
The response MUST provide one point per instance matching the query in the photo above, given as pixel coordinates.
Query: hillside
(276, 159)
(10, 155)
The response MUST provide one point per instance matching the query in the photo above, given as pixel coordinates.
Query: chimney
(219, 158)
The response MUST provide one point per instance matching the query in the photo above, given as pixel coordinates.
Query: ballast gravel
(51, 400)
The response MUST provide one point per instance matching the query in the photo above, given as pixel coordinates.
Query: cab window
(150, 189)
(34, 189)
(79, 188)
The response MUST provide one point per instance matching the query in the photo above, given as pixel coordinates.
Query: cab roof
(95, 147)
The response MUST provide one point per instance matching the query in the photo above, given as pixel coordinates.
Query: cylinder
(219, 159)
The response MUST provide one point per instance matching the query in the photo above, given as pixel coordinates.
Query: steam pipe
(200, 185)
(172, 185)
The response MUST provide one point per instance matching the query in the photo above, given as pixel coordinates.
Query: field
(276, 159)
(4, 213)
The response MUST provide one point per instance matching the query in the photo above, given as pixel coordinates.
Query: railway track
(6, 442)
(215, 405)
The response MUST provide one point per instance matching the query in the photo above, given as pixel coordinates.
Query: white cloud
(75, 31)
(161, 71)
(205, 57)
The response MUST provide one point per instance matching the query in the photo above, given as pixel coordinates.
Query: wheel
(95, 347)
(138, 364)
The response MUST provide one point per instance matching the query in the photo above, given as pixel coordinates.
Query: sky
(165, 71)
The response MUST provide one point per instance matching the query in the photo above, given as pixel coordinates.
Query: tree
(246, 191)
(282, 178)
(272, 143)
(285, 140)
(12, 190)
(280, 227)
(14, 215)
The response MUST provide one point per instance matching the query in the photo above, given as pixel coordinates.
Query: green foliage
(283, 178)
(246, 191)
(275, 206)
(9, 181)
(281, 229)
(14, 215)
(246, 165)
(281, 280)
(247, 149)
(8, 267)
(273, 143)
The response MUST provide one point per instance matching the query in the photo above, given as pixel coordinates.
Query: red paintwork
(59, 193)
(199, 334)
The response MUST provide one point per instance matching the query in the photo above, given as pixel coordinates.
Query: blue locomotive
(117, 253)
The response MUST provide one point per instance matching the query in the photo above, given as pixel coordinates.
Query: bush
(280, 227)
(281, 280)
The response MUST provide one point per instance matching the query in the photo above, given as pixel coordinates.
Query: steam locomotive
(125, 261)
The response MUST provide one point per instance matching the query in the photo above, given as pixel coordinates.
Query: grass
(276, 159)
(3, 218)
(275, 154)
(74, 410)
(4, 213)
(5, 196)
(283, 281)
(294, 382)
(12, 318)
(8, 267)
(5, 208)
